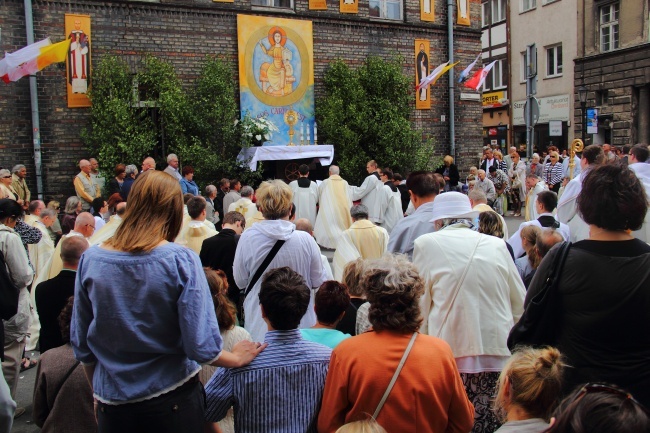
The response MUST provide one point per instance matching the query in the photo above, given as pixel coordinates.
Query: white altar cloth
(251, 155)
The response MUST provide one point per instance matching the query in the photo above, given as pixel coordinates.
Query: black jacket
(454, 176)
(218, 252)
(51, 296)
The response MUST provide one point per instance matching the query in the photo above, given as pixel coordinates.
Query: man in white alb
(305, 195)
(334, 214)
(370, 193)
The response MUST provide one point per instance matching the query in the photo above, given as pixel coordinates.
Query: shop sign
(495, 99)
(550, 108)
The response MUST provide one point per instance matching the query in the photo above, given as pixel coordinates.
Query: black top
(404, 193)
(348, 325)
(391, 185)
(218, 252)
(304, 182)
(51, 296)
(454, 176)
(114, 187)
(126, 187)
(604, 328)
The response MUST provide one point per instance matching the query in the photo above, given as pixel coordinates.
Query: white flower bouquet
(255, 130)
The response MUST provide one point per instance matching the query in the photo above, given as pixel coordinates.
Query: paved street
(24, 424)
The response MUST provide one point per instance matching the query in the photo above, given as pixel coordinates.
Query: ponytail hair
(535, 380)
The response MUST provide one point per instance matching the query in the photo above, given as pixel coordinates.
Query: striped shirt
(279, 392)
(553, 173)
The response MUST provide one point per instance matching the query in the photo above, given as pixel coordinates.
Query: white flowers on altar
(255, 130)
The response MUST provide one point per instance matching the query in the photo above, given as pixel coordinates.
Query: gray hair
(4, 172)
(17, 168)
(48, 213)
(170, 157)
(246, 191)
(334, 169)
(131, 169)
(210, 189)
(359, 211)
(477, 196)
(71, 204)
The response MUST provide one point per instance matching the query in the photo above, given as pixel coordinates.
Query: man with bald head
(148, 164)
(35, 207)
(85, 185)
(52, 295)
(333, 217)
(84, 227)
(304, 225)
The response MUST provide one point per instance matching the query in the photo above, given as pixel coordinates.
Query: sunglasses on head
(591, 388)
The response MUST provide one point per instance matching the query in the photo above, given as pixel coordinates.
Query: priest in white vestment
(334, 213)
(196, 230)
(391, 201)
(244, 205)
(303, 225)
(363, 240)
(371, 194)
(109, 229)
(567, 207)
(534, 186)
(638, 163)
(305, 195)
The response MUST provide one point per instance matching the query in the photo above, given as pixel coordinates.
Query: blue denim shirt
(188, 186)
(146, 320)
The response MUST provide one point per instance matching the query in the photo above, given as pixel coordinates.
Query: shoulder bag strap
(263, 266)
(457, 289)
(395, 376)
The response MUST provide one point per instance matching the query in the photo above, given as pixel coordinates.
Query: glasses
(6, 177)
(90, 225)
(599, 387)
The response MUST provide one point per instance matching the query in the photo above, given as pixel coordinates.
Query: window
(527, 5)
(485, 14)
(499, 8)
(609, 27)
(554, 61)
(273, 3)
(387, 9)
(499, 75)
(523, 72)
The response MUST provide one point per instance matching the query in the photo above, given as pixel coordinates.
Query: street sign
(535, 108)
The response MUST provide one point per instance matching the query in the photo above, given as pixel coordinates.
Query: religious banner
(427, 10)
(78, 71)
(276, 76)
(422, 96)
(349, 6)
(462, 12)
(318, 5)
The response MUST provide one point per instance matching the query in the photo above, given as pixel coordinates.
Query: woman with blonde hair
(552, 174)
(529, 388)
(367, 426)
(138, 300)
(529, 262)
(55, 229)
(449, 172)
(352, 279)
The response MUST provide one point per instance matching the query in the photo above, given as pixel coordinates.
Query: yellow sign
(318, 5)
(426, 10)
(349, 6)
(493, 99)
(463, 12)
(422, 96)
(77, 29)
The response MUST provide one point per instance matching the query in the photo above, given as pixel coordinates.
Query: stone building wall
(183, 33)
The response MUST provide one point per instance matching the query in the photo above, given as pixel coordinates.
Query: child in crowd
(330, 303)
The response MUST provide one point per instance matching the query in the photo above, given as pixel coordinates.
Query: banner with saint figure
(276, 75)
(78, 70)
(422, 96)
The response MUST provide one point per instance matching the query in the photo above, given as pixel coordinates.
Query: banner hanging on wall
(422, 96)
(427, 10)
(78, 67)
(462, 12)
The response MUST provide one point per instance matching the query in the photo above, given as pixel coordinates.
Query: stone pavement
(24, 424)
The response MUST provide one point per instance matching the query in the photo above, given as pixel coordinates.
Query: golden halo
(275, 30)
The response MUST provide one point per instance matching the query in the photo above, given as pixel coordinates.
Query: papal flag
(32, 59)
(478, 78)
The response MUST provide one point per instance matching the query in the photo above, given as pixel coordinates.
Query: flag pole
(450, 43)
(33, 93)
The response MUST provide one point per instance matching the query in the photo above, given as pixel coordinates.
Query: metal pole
(583, 106)
(33, 93)
(450, 43)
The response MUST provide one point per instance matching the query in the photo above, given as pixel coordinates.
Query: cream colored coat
(490, 296)
(362, 240)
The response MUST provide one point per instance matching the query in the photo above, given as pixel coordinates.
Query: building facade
(613, 65)
(183, 32)
(550, 25)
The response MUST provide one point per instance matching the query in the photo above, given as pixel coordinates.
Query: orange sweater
(428, 396)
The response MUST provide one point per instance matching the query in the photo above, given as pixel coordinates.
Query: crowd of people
(155, 308)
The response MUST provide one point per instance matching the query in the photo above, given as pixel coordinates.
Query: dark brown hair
(284, 297)
(119, 169)
(612, 198)
(187, 170)
(332, 299)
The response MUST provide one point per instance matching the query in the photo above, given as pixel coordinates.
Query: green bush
(365, 115)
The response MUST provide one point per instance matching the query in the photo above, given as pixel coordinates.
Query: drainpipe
(33, 93)
(450, 43)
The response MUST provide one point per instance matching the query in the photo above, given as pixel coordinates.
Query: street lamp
(582, 95)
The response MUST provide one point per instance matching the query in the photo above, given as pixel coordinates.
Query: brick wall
(184, 32)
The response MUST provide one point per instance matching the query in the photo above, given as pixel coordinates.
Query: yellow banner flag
(54, 53)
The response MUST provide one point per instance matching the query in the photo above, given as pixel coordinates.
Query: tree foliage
(197, 122)
(365, 114)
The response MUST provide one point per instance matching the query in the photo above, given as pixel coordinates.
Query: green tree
(119, 131)
(365, 114)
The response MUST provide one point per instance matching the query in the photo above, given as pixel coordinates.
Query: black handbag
(540, 322)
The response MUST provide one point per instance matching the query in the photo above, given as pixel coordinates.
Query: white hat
(452, 204)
